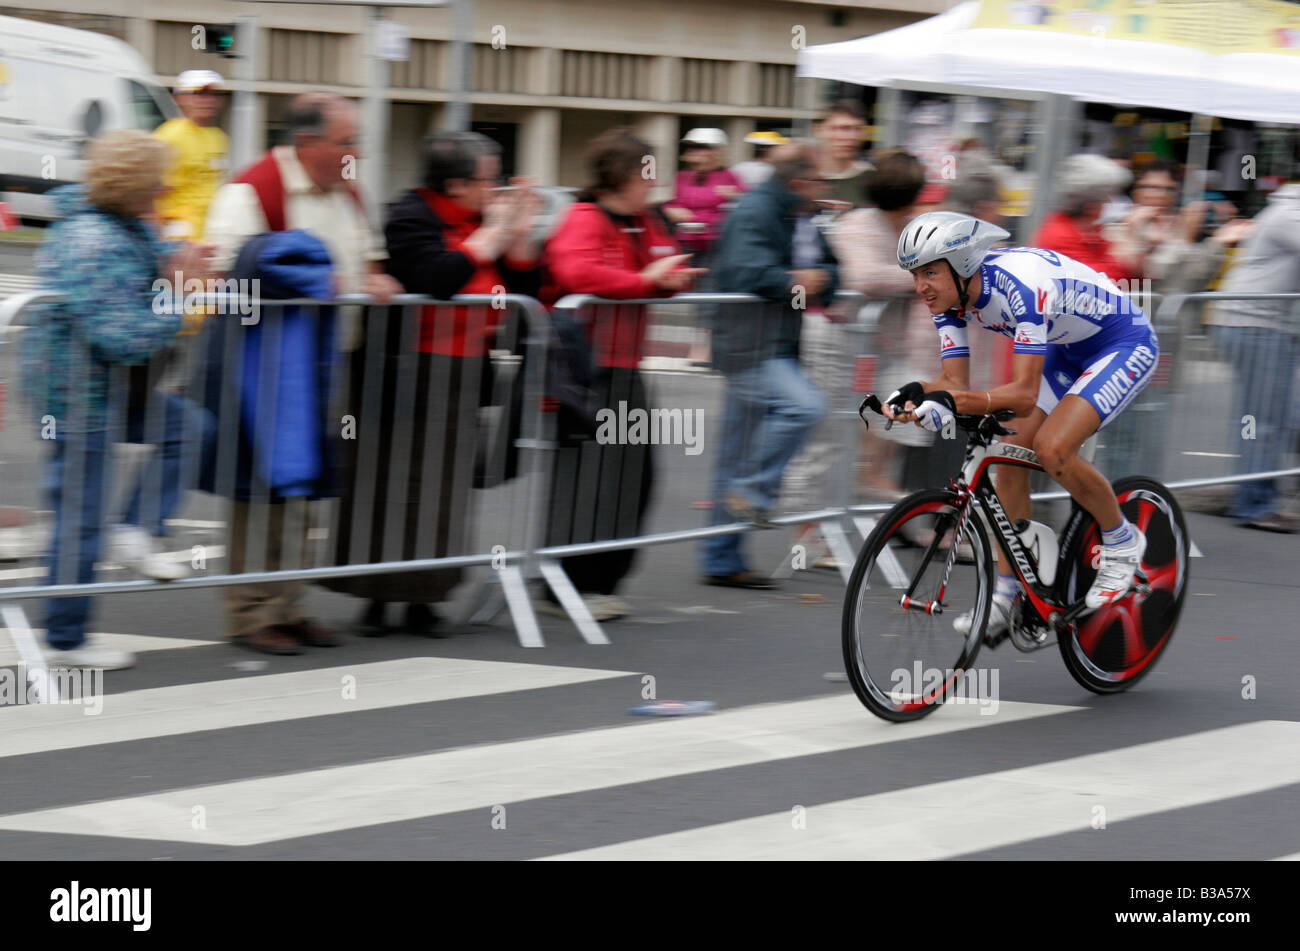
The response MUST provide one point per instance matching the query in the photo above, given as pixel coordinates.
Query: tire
(1115, 647)
(893, 655)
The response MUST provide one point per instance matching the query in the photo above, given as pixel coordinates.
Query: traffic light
(220, 39)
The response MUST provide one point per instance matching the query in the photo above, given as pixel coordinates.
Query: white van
(58, 88)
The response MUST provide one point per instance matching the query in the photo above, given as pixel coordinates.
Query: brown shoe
(312, 634)
(271, 640)
(743, 579)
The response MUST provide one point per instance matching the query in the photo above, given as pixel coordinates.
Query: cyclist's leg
(1013, 481)
(1057, 444)
(1100, 393)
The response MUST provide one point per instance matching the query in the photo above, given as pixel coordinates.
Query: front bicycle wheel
(1115, 646)
(904, 662)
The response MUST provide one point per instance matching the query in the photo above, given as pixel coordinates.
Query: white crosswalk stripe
(242, 701)
(254, 811)
(133, 643)
(1009, 807)
(12, 284)
(258, 806)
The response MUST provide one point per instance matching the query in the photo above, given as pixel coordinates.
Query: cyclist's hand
(905, 397)
(935, 410)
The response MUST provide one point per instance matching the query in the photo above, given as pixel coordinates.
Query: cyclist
(1082, 351)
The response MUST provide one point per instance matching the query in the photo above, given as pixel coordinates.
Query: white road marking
(134, 643)
(242, 701)
(210, 553)
(253, 811)
(994, 810)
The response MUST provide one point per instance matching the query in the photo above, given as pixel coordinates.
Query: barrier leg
(15, 618)
(888, 563)
(572, 602)
(521, 609)
(838, 543)
(486, 602)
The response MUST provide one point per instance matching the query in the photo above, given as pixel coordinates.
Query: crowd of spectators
(794, 224)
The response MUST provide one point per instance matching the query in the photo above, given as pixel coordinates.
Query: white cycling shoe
(1119, 563)
(999, 618)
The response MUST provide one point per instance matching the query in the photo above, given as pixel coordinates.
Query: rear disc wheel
(1115, 646)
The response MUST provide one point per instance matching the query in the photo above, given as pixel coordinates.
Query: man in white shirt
(307, 185)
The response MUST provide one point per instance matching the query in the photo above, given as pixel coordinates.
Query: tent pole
(889, 117)
(1057, 134)
(1198, 158)
(805, 101)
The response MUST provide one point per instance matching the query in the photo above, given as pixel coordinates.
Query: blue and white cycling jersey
(1038, 297)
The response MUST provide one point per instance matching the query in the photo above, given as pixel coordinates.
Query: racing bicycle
(929, 560)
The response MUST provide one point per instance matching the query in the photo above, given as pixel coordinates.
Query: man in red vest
(308, 185)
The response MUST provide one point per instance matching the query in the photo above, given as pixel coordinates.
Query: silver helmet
(961, 240)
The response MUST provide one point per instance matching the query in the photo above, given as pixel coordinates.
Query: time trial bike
(929, 561)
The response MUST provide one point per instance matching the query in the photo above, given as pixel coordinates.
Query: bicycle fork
(935, 607)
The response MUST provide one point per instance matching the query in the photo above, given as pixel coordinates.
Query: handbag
(569, 377)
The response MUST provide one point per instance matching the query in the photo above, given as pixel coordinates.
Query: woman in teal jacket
(86, 362)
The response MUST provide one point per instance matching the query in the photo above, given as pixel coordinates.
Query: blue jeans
(75, 488)
(1265, 362)
(770, 410)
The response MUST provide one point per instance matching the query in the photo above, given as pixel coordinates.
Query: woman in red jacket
(612, 246)
(1085, 183)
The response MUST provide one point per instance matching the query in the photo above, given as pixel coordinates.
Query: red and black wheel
(904, 662)
(1114, 647)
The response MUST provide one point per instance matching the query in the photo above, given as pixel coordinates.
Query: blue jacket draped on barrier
(277, 372)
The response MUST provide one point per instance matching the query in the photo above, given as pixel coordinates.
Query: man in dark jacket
(769, 247)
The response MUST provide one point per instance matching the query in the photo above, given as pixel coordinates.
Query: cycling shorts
(1109, 379)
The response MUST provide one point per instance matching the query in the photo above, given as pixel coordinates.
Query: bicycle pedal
(992, 641)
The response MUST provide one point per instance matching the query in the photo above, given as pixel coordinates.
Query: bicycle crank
(1027, 635)
(1065, 623)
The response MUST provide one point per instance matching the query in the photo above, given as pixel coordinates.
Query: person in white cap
(758, 169)
(702, 194)
(200, 154)
(701, 190)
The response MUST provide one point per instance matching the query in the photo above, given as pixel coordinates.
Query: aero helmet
(960, 240)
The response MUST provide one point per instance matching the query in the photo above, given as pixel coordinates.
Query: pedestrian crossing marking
(314, 802)
(272, 698)
(133, 643)
(994, 810)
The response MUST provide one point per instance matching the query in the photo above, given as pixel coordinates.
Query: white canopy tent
(949, 54)
(947, 49)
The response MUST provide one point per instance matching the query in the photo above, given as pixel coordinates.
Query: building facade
(545, 75)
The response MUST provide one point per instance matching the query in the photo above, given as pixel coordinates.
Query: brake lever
(872, 402)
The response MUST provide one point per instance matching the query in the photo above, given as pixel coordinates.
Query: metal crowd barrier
(469, 498)
(467, 501)
(1228, 417)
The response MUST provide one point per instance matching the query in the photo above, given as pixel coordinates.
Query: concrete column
(539, 145)
(140, 35)
(666, 79)
(744, 84)
(661, 132)
(737, 128)
(544, 71)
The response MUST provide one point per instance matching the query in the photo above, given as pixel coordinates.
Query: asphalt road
(474, 747)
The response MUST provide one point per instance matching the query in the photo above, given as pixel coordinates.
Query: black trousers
(600, 492)
(408, 474)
